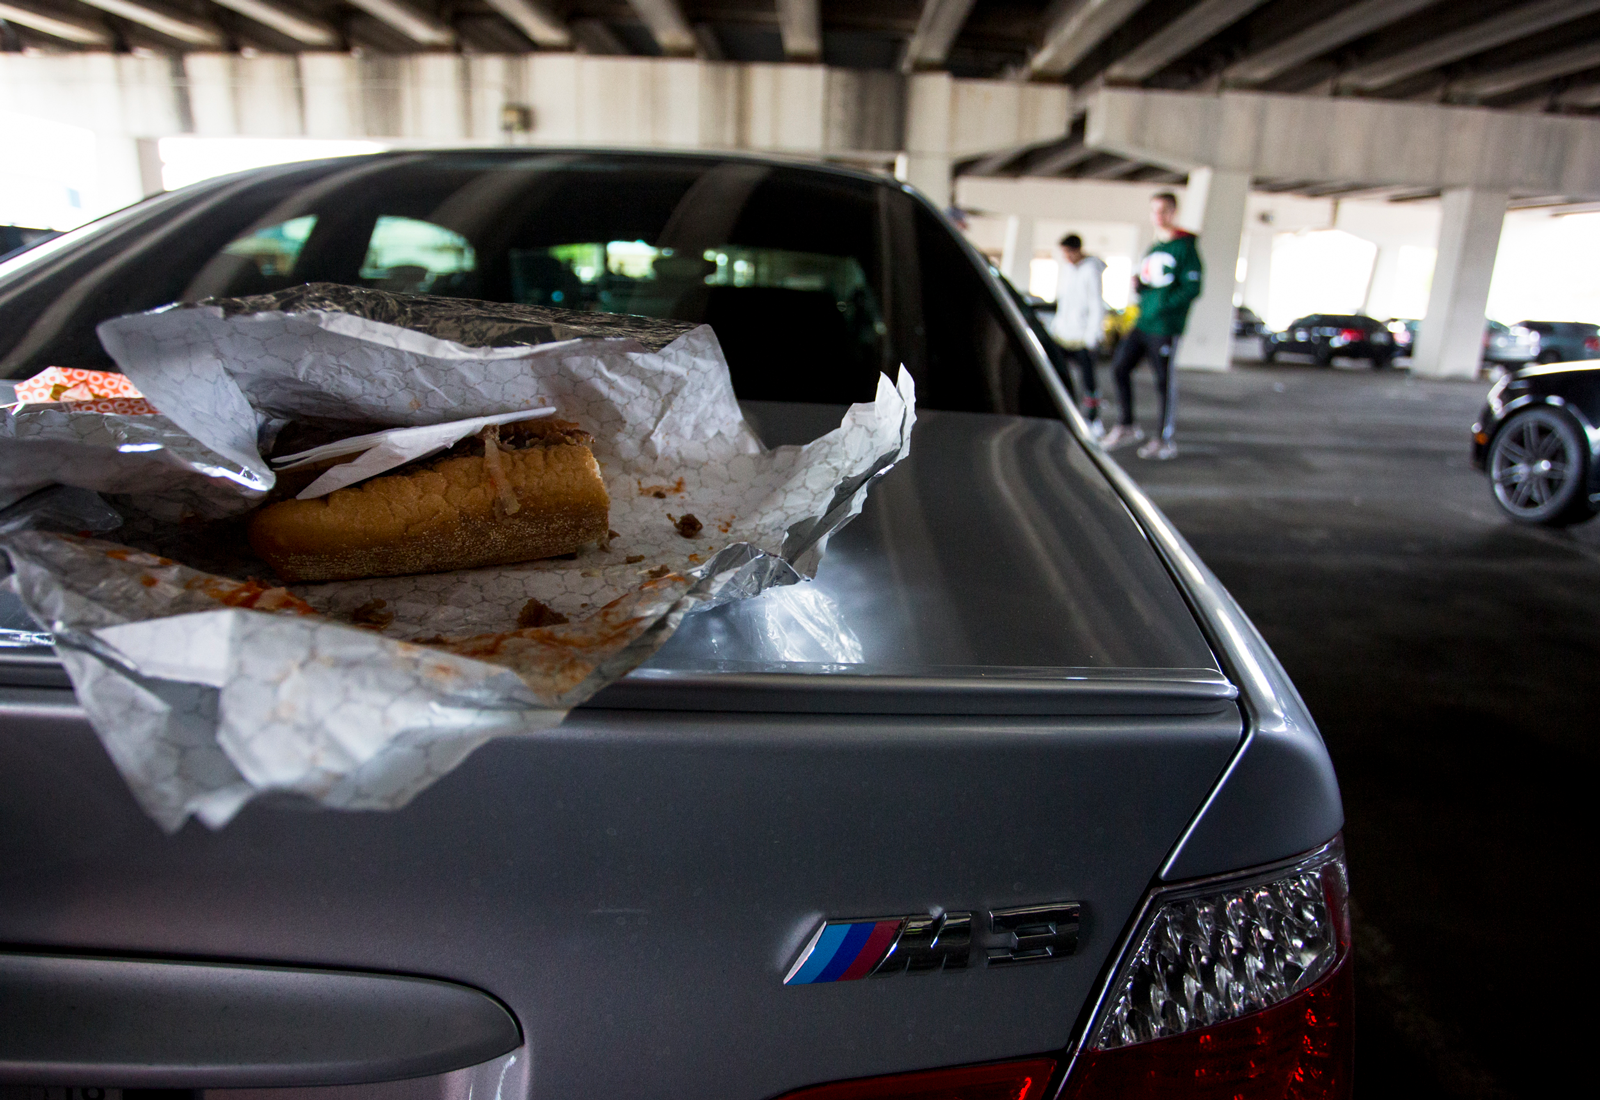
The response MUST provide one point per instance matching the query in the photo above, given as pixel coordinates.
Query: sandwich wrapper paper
(209, 686)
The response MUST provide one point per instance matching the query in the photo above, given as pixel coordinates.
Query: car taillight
(1239, 991)
(1592, 344)
(1006, 1081)
(1351, 335)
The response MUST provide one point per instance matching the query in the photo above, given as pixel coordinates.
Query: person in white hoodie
(1080, 316)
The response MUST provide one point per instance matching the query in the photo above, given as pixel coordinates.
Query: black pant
(1084, 358)
(1135, 347)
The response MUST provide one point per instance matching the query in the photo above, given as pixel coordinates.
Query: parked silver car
(1509, 345)
(1045, 787)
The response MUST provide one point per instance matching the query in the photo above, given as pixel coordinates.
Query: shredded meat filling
(497, 474)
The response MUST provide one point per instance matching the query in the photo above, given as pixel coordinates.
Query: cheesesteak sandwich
(511, 493)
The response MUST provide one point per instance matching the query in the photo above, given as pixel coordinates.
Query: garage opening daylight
(770, 549)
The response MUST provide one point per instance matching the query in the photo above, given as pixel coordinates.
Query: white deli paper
(209, 689)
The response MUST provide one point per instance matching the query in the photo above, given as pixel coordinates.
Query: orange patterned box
(78, 386)
(92, 391)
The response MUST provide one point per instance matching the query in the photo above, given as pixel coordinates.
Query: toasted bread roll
(536, 494)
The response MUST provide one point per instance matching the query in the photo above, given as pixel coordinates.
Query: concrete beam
(800, 24)
(929, 46)
(1078, 26)
(191, 31)
(1519, 22)
(287, 22)
(1178, 37)
(592, 36)
(1450, 338)
(533, 19)
(1540, 69)
(1413, 145)
(667, 25)
(1345, 25)
(422, 29)
(68, 30)
(708, 47)
(1585, 96)
(1068, 156)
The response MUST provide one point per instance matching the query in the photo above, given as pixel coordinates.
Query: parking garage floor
(1452, 661)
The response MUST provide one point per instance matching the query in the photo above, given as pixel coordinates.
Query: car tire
(1269, 352)
(1380, 361)
(1323, 357)
(1549, 355)
(1538, 469)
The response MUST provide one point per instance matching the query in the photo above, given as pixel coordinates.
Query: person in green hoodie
(1168, 283)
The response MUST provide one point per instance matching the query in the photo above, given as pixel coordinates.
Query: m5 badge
(844, 950)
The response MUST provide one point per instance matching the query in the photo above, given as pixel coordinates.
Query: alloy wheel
(1535, 467)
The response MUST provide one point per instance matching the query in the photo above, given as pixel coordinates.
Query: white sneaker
(1123, 435)
(1162, 450)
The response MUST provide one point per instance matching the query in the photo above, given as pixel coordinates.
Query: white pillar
(1450, 338)
(926, 163)
(1380, 287)
(150, 166)
(1258, 269)
(1017, 255)
(120, 174)
(1214, 206)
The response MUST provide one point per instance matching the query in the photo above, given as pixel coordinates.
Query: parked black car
(1565, 341)
(1247, 323)
(1538, 439)
(1403, 331)
(1325, 335)
(17, 238)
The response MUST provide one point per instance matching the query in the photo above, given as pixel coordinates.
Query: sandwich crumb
(660, 491)
(633, 559)
(534, 614)
(658, 572)
(688, 526)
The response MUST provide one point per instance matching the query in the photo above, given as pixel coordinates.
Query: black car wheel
(1549, 355)
(1380, 360)
(1323, 357)
(1538, 469)
(1269, 351)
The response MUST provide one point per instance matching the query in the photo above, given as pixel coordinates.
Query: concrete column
(148, 151)
(121, 173)
(1017, 255)
(1258, 272)
(1380, 288)
(1214, 207)
(1450, 338)
(927, 163)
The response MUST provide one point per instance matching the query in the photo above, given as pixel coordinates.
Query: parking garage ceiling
(1537, 55)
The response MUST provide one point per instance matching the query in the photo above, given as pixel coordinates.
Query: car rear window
(813, 281)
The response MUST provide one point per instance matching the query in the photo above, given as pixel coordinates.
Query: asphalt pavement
(1452, 661)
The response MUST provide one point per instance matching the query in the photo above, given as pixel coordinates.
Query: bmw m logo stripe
(842, 951)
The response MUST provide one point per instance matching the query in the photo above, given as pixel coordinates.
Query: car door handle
(141, 1023)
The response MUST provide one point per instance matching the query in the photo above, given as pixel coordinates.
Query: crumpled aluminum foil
(210, 688)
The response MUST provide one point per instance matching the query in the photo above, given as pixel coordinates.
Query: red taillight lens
(1300, 1048)
(1351, 335)
(1592, 344)
(1232, 992)
(1007, 1081)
